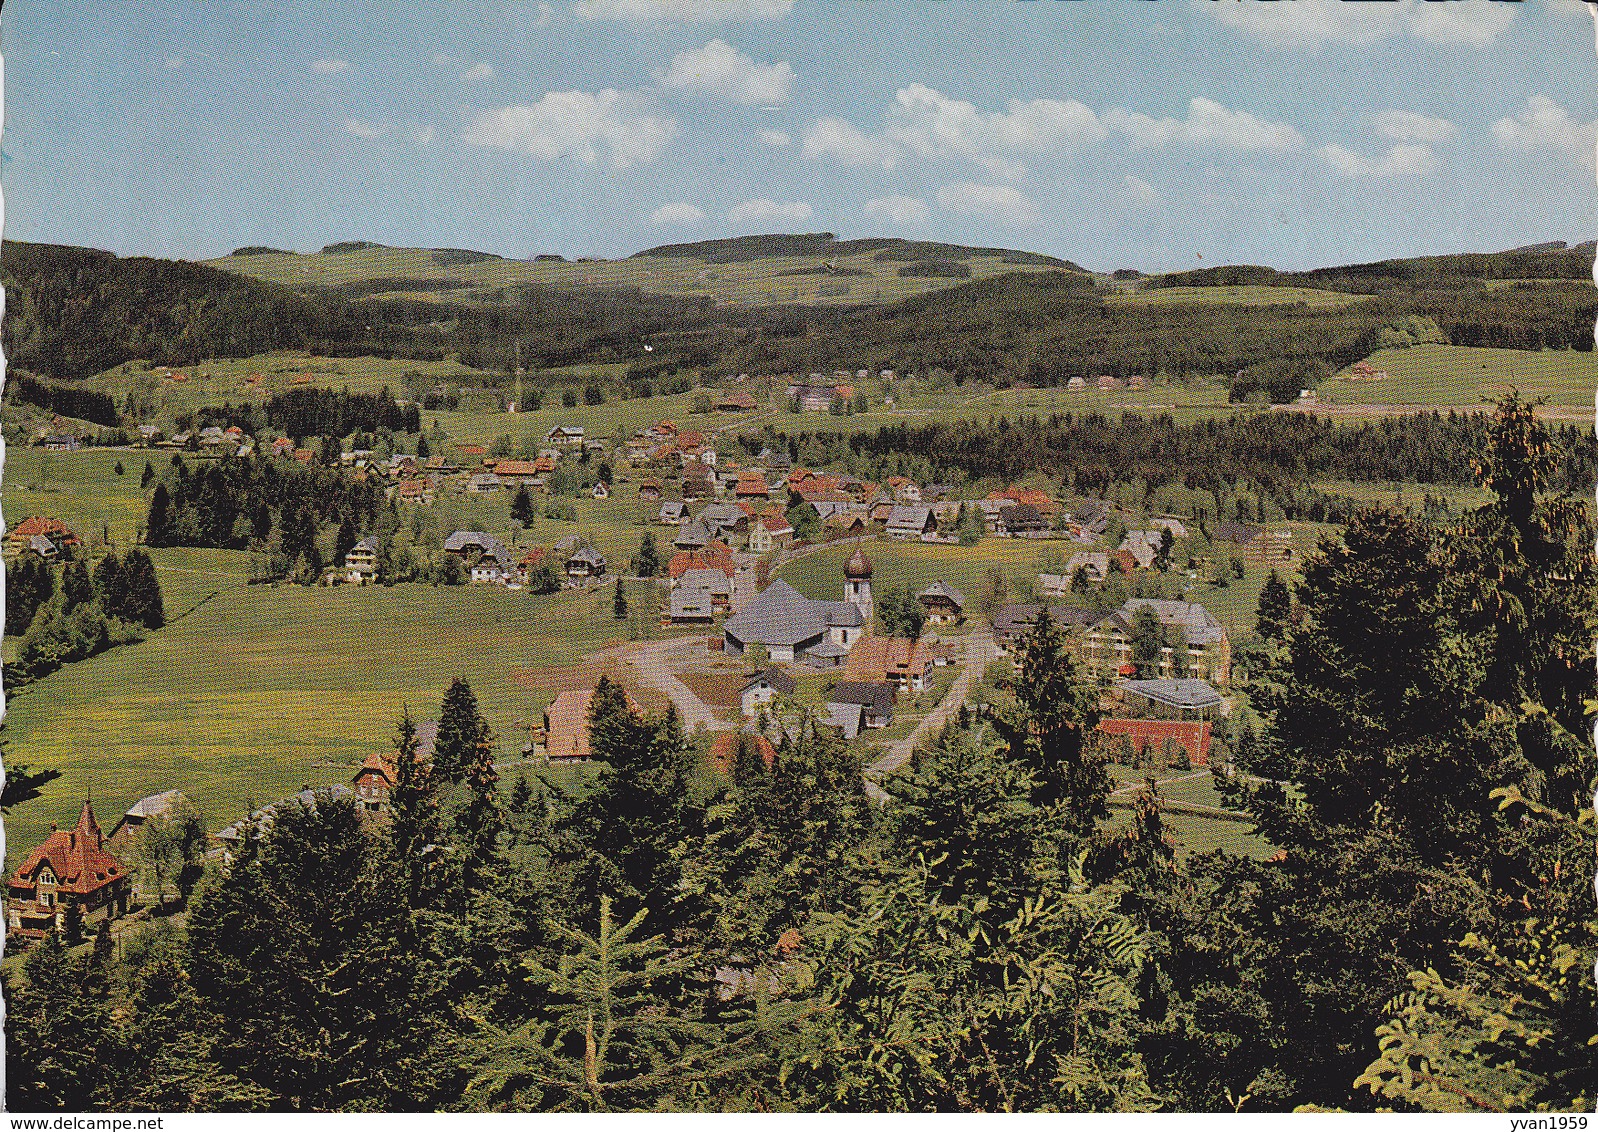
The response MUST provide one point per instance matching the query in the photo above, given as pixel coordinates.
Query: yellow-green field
(264, 689)
(80, 488)
(1465, 377)
(1246, 295)
(756, 282)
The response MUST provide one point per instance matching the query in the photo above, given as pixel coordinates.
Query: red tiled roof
(76, 856)
(35, 525)
(518, 468)
(874, 659)
(716, 556)
(1194, 735)
(725, 749)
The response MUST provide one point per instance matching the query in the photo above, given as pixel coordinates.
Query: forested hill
(743, 249)
(1541, 262)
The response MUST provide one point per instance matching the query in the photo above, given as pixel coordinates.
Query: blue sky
(1156, 134)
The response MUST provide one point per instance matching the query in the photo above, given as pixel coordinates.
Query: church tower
(857, 584)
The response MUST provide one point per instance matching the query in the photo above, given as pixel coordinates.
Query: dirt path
(652, 663)
(980, 651)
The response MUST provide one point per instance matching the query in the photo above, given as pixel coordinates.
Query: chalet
(1077, 381)
(735, 403)
(585, 564)
(476, 548)
(716, 584)
(1012, 624)
(751, 485)
(418, 490)
(692, 536)
(904, 490)
(1106, 382)
(565, 436)
(716, 556)
(521, 473)
(1106, 646)
(944, 604)
(1022, 520)
(813, 396)
(673, 512)
(690, 605)
(697, 482)
(566, 726)
(148, 434)
(908, 522)
(790, 627)
(71, 867)
(60, 442)
(1177, 528)
(1090, 517)
(601, 490)
(1095, 562)
(843, 525)
(1143, 546)
(763, 687)
(1137, 381)
(649, 490)
(897, 662)
(360, 564)
(133, 819)
(875, 700)
(57, 535)
(484, 483)
(723, 519)
(770, 533)
(377, 776)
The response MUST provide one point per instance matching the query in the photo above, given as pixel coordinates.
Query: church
(792, 627)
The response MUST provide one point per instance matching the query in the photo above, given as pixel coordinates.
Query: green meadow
(1466, 377)
(264, 689)
(1244, 295)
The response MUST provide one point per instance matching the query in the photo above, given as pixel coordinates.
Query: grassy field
(775, 279)
(1242, 296)
(237, 380)
(1463, 376)
(261, 690)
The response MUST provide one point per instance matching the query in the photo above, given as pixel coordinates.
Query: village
(739, 649)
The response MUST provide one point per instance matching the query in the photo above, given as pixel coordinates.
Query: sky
(1153, 134)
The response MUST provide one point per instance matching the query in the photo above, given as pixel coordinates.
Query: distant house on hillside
(70, 867)
(763, 687)
(360, 564)
(377, 776)
(133, 819)
(874, 702)
(1022, 520)
(585, 564)
(910, 521)
(1106, 647)
(944, 604)
(899, 663)
(770, 533)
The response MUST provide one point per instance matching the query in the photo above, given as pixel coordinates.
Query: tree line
(81, 612)
(68, 400)
(329, 412)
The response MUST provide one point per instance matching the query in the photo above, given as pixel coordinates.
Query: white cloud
(932, 124)
(722, 70)
(677, 214)
(367, 130)
(1315, 23)
(766, 210)
(580, 126)
(546, 13)
(1405, 126)
(899, 209)
(330, 66)
(423, 135)
(683, 11)
(480, 72)
(1138, 191)
(774, 138)
(1208, 123)
(842, 142)
(1542, 124)
(1407, 159)
(990, 202)
(173, 62)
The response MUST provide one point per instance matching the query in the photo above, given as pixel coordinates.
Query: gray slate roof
(783, 616)
(776, 677)
(877, 697)
(491, 547)
(1198, 623)
(943, 590)
(1184, 693)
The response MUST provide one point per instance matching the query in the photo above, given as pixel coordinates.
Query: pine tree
(30, 584)
(142, 587)
(62, 1042)
(423, 449)
(1275, 607)
(461, 729)
(146, 476)
(647, 565)
(619, 604)
(521, 507)
(345, 542)
(159, 517)
(480, 820)
(414, 829)
(77, 588)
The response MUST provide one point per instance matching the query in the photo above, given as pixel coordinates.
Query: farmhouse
(1142, 546)
(1095, 562)
(71, 867)
(360, 564)
(909, 522)
(1106, 647)
(57, 535)
(763, 687)
(692, 536)
(860, 704)
(133, 818)
(584, 564)
(735, 403)
(565, 436)
(379, 773)
(566, 732)
(673, 512)
(484, 483)
(899, 663)
(477, 549)
(793, 627)
(944, 604)
(769, 533)
(1022, 520)
(1234, 532)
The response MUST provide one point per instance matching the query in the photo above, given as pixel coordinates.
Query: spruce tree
(647, 564)
(77, 588)
(30, 583)
(142, 589)
(159, 518)
(460, 729)
(521, 507)
(1275, 607)
(619, 603)
(146, 476)
(480, 820)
